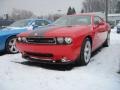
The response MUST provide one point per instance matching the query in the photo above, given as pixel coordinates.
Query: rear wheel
(11, 45)
(85, 54)
(107, 42)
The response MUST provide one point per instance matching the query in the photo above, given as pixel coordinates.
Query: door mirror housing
(96, 22)
(99, 23)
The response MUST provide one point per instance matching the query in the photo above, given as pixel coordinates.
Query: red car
(69, 39)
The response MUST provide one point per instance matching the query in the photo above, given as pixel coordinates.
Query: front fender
(5, 36)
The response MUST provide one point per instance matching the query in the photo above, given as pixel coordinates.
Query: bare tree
(51, 17)
(93, 5)
(1, 17)
(99, 5)
(112, 6)
(21, 14)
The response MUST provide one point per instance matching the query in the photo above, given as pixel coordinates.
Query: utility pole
(106, 10)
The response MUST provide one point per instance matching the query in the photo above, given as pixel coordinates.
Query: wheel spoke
(15, 49)
(12, 46)
(86, 49)
(10, 43)
(14, 41)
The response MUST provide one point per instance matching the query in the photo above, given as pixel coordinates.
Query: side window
(46, 22)
(97, 20)
(40, 22)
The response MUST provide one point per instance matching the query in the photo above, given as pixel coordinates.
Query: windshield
(20, 23)
(73, 20)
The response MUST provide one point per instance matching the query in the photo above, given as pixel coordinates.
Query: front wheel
(11, 45)
(85, 53)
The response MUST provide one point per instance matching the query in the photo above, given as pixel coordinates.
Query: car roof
(101, 15)
(32, 19)
(84, 14)
(90, 14)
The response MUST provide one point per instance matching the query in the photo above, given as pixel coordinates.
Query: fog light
(54, 61)
(64, 59)
(19, 39)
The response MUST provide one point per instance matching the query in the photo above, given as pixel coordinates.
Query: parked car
(118, 28)
(6, 22)
(8, 34)
(71, 39)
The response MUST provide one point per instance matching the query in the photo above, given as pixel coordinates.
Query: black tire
(81, 60)
(107, 41)
(118, 32)
(9, 47)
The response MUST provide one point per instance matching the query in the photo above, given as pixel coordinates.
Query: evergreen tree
(73, 11)
(69, 11)
(82, 11)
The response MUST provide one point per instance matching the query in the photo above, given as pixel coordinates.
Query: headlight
(24, 39)
(68, 40)
(64, 40)
(19, 38)
(60, 40)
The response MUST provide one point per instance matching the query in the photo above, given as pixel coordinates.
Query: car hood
(10, 30)
(59, 31)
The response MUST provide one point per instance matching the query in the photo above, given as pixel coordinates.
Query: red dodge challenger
(69, 39)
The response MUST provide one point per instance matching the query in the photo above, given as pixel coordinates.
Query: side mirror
(101, 23)
(35, 26)
(96, 22)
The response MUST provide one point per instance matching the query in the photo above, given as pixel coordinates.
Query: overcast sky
(40, 7)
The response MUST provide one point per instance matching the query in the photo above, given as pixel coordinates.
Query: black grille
(41, 40)
(39, 54)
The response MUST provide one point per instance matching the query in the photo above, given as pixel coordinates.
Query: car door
(102, 30)
(99, 32)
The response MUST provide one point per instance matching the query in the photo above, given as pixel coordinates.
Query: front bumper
(46, 61)
(49, 53)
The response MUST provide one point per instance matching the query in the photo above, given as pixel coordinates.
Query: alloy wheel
(12, 45)
(87, 51)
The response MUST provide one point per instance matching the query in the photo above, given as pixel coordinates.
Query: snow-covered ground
(99, 74)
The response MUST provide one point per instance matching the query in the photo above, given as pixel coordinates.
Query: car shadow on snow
(2, 53)
(95, 53)
(49, 66)
(56, 66)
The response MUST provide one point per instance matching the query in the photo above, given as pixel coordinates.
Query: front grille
(41, 40)
(47, 55)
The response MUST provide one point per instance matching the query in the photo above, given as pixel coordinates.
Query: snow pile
(99, 74)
